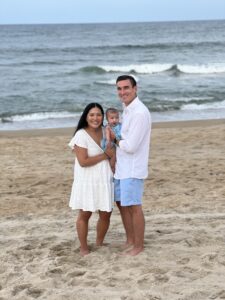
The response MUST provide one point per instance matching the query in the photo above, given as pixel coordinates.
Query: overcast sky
(98, 11)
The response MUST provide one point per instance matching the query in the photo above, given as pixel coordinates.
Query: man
(132, 155)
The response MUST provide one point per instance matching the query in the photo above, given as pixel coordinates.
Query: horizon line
(109, 22)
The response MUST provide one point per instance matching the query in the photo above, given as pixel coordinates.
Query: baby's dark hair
(111, 110)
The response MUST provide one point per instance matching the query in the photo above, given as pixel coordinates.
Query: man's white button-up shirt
(133, 151)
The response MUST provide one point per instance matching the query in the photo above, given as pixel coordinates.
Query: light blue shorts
(128, 191)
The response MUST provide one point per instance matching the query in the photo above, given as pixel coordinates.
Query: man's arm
(139, 127)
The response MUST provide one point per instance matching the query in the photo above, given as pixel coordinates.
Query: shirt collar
(132, 105)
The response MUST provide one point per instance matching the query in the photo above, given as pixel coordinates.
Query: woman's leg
(82, 230)
(102, 226)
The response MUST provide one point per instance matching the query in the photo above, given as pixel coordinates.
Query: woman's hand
(87, 161)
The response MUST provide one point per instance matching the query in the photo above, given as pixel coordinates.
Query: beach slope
(184, 206)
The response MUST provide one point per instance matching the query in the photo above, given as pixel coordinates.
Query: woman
(92, 188)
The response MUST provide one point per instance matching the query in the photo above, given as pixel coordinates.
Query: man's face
(126, 92)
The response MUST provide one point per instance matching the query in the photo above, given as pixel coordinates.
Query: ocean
(48, 73)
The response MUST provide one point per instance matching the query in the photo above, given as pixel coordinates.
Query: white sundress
(92, 188)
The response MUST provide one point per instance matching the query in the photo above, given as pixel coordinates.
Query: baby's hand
(110, 136)
(107, 133)
(111, 133)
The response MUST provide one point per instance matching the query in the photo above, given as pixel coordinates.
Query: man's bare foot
(99, 243)
(134, 251)
(126, 246)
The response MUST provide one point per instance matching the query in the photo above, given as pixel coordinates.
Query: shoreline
(69, 130)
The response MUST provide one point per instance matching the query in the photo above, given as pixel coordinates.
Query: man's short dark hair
(127, 77)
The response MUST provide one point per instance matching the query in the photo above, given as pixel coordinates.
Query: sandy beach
(184, 206)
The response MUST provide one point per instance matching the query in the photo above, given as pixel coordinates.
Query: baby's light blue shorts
(128, 191)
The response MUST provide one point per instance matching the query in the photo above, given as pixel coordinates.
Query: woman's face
(94, 118)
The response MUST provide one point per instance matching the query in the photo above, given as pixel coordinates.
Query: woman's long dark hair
(83, 119)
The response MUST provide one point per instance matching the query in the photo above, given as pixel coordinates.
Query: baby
(113, 123)
(113, 119)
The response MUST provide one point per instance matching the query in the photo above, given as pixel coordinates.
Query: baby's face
(113, 118)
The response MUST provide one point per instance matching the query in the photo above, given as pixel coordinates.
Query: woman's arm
(112, 161)
(87, 161)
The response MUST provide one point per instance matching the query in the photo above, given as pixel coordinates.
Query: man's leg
(138, 222)
(127, 223)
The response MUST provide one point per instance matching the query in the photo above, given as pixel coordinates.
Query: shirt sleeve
(79, 139)
(138, 128)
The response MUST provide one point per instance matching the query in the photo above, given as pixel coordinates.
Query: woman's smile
(94, 118)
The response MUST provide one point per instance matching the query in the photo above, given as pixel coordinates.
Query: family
(111, 164)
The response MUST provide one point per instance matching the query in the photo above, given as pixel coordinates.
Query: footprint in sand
(218, 295)
(144, 282)
(221, 259)
(32, 268)
(17, 289)
(34, 292)
(76, 273)
(62, 248)
(54, 272)
(208, 260)
(3, 269)
(28, 247)
(160, 278)
(183, 261)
